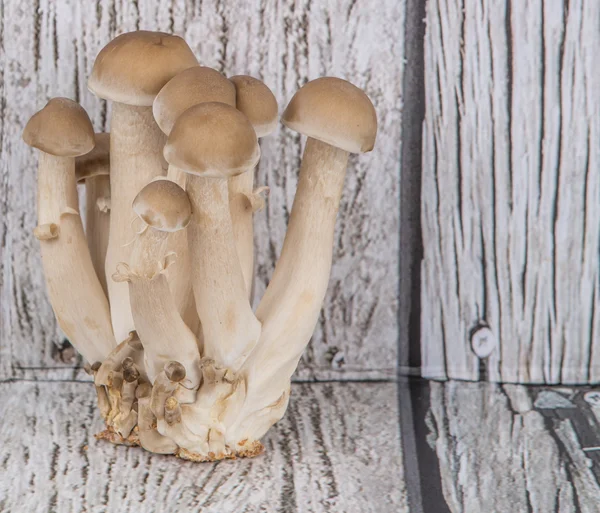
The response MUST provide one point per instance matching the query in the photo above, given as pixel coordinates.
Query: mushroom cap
(212, 140)
(257, 102)
(188, 88)
(134, 66)
(333, 111)
(175, 371)
(163, 205)
(62, 128)
(97, 161)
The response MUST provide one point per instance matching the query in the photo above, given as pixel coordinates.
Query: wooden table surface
(336, 450)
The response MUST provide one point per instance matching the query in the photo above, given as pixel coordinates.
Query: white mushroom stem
(76, 295)
(163, 333)
(252, 427)
(177, 175)
(240, 206)
(136, 145)
(292, 302)
(97, 221)
(229, 326)
(178, 276)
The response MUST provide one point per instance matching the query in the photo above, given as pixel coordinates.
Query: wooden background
(511, 190)
(48, 48)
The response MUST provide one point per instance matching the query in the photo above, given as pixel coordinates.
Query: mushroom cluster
(155, 291)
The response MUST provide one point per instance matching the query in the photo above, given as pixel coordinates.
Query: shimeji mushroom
(256, 101)
(62, 131)
(164, 208)
(204, 400)
(93, 170)
(186, 89)
(130, 71)
(338, 119)
(212, 142)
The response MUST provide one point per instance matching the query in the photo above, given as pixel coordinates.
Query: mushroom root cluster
(154, 292)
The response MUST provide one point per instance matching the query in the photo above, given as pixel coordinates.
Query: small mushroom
(150, 438)
(212, 142)
(93, 169)
(130, 348)
(114, 386)
(131, 376)
(338, 118)
(62, 131)
(256, 101)
(165, 384)
(164, 207)
(125, 417)
(130, 71)
(101, 395)
(172, 411)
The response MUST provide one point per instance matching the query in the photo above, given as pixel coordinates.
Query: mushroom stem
(97, 221)
(240, 206)
(179, 276)
(292, 302)
(177, 175)
(163, 333)
(75, 293)
(229, 326)
(136, 145)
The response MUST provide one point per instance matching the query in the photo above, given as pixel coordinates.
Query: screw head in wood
(592, 397)
(483, 342)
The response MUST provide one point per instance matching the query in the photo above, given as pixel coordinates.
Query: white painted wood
(511, 192)
(496, 453)
(337, 449)
(48, 48)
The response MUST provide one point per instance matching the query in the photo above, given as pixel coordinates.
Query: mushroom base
(214, 421)
(249, 450)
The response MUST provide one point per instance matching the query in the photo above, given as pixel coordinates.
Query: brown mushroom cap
(163, 205)
(134, 66)
(97, 161)
(257, 102)
(334, 111)
(62, 128)
(212, 140)
(188, 88)
(174, 371)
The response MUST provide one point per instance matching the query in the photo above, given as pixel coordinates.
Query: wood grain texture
(48, 49)
(498, 453)
(511, 192)
(337, 449)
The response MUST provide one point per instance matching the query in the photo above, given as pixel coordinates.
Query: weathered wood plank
(337, 449)
(48, 50)
(511, 199)
(497, 453)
